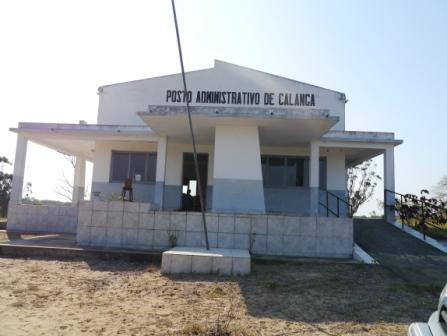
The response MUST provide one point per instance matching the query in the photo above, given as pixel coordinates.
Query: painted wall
(118, 103)
(336, 168)
(142, 192)
(287, 200)
(237, 170)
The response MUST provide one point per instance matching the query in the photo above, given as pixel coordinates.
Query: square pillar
(314, 178)
(79, 181)
(388, 184)
(237, 176)
(19, 169)
(162, 146)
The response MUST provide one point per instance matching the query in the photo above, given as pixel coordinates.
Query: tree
(5, 186)
(426, 214)
(65, 188)
(362, 181)
(28, 191)
(441, 189)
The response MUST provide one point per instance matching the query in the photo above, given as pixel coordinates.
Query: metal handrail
(338, 198)
(417, 200)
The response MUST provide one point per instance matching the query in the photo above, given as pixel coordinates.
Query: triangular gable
(224, 85)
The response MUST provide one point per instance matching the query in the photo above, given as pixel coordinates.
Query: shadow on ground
(318, 293)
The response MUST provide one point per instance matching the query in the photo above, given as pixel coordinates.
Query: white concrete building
(270, 148)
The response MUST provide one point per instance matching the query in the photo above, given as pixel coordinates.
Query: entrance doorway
(190, 188)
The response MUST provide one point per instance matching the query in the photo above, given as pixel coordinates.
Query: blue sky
(389, 57)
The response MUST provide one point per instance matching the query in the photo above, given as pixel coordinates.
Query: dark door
(190, 188)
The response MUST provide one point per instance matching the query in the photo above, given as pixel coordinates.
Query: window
(139, 166)
(280, 171)
(276, 170)
(120, 166)
(295, 172)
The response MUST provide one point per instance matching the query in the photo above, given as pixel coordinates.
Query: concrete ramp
(410, 258)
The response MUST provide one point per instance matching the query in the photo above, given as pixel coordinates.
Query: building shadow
(316, 293)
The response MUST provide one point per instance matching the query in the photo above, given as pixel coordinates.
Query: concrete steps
(199, 260)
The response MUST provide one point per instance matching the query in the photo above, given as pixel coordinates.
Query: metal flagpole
(196, 162)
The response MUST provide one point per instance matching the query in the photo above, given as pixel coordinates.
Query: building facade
(268, 146)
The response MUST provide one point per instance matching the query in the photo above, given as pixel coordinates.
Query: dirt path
(410, 258)
(96, 297)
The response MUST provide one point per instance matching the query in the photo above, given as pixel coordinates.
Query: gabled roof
(223, 64)
(227, 64)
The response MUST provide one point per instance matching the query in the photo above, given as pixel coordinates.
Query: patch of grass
(193, 329)
(219, 327)
(216, 291)
(437, 231)
(165, 323)
(35, 268)
(222, 325)
(271, 261)
(14, 281)
(18, 304)
(152, 268)
(361, 266)
(33, 287)
(172, 239)
(414, 288)
(272, 285)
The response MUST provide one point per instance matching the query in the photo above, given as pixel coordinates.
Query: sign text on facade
(241, 98)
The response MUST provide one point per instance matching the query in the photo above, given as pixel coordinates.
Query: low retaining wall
(42, 218)
(138, 226)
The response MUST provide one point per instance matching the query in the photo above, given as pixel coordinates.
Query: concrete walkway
(409, 258)
(40, 240)
(56, 245)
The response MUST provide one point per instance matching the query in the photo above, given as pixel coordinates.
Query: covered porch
(239, 216)
(80, 141)
(251, 167)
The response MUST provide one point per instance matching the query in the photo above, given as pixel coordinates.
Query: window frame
(284, 177)
(146, 162)
(322, 161)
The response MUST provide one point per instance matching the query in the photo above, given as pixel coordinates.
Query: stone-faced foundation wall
(137, 226)
(42, 218)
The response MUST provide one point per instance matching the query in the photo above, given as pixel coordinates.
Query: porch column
(314, 178)
(19, 169)
(388, 172)
(79, 181)
(160, 172)
(237, 184)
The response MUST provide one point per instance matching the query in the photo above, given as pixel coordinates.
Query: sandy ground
(96, 297)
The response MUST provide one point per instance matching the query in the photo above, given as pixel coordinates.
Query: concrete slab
(202, 261)
(60, 246)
